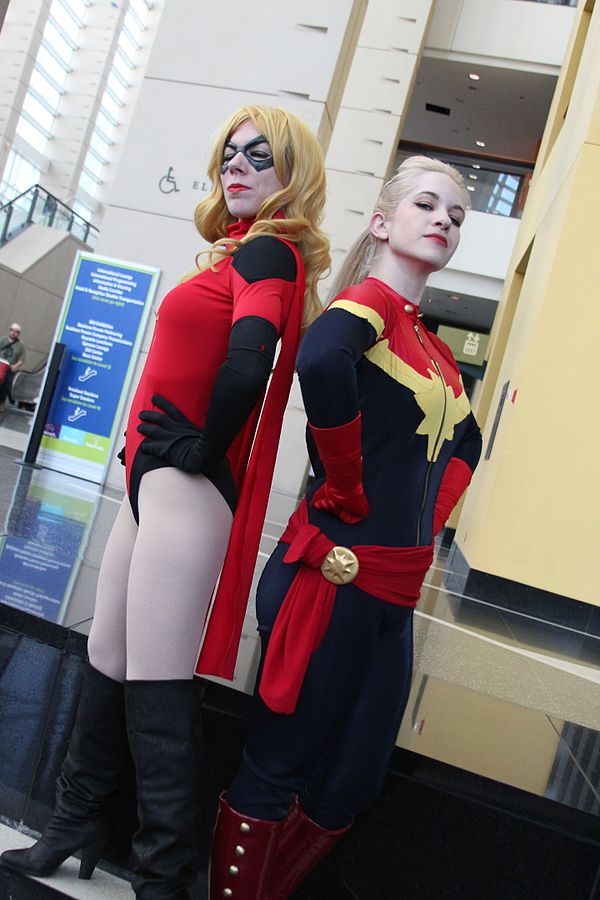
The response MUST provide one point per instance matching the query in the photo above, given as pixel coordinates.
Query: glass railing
(558, 2)
(497, 187)
(494, 191)
(37, 206)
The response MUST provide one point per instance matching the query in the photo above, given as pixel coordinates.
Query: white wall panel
(502, 29)
(163, 241)
(395, 26)
(350, 202)
(480, 264)
(189, 117)
(486, 244)
(275, 47)
(379, 80)
(362, 142)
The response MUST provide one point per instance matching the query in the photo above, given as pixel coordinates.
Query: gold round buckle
(340, 566)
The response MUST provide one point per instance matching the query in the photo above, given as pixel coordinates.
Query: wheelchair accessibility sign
(167, 184)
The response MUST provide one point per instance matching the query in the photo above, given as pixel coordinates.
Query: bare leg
(106, 643)
(155, 582)
(178, 554)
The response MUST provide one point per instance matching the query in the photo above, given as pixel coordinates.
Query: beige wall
(479, 733)
(530, 514)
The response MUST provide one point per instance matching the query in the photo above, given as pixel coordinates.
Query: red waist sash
(393, 574)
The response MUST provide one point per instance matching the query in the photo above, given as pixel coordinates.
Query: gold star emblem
(340, 566)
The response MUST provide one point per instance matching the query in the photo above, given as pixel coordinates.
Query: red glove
(340, 452)
(455, 481)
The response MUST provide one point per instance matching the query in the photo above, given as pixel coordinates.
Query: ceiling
(506, 108)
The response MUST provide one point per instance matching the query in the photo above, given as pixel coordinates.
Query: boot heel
(89, 858)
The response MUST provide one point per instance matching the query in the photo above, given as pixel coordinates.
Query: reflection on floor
(499, 696)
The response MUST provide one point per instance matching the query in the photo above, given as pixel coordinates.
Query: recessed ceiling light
(473, 76)
(480, 143)
(476, 166)
(474, 177)
(470, 187)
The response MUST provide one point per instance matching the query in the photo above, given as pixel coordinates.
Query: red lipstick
(438, 238)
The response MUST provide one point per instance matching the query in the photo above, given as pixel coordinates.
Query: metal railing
(37, 206)
(558, 2)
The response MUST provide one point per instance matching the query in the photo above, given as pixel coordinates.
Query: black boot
(163, 724)
(88, 780)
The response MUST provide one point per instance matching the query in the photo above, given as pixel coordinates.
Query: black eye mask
(231, 150)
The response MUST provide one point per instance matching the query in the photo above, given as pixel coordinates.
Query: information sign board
(102, 324)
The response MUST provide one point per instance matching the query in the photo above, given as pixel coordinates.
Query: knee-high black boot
(88, 780)
(163, 724)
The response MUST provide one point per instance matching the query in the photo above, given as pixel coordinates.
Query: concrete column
(366, 133)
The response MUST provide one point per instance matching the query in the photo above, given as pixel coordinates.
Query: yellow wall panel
(531, 514)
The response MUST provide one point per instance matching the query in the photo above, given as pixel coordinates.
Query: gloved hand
(172, 436)
(121, 453)
(340, 452)
(455, 480)
(351, 506)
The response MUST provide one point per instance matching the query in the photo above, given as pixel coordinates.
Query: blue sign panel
(43, 547)
(102, 325)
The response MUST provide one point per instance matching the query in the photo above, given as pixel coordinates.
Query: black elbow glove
(238, 386)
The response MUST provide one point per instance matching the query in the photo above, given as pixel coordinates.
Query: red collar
(240, 228)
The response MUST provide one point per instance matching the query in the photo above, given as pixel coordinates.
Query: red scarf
(393, 574)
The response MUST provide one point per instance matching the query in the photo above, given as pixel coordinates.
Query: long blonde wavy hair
(361, 254)
(299, 165)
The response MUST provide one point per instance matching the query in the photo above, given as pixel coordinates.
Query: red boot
(301, 846)
(242, 854)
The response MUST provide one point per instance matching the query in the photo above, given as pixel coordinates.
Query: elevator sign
(102, 324)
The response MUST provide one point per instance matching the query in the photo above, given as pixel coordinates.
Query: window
(19, 175)
(131, 41)
(53, 63)
(47, 87)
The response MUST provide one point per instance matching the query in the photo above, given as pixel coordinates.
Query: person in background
(393, 445)
(199, 455)
(12, 358)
